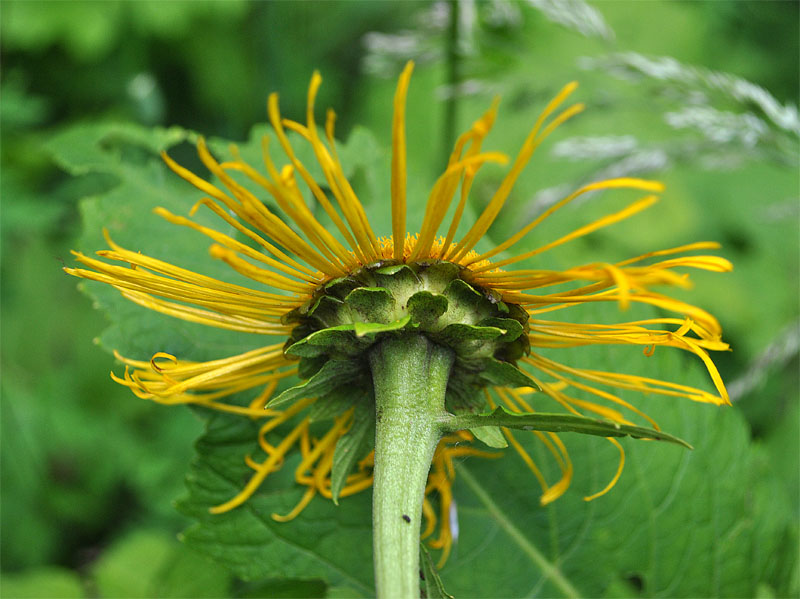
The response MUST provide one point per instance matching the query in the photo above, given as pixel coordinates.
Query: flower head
(330, 291)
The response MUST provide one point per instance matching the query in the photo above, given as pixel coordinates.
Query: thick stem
(410, 376)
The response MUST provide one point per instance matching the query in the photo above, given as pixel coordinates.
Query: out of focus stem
(453, 79)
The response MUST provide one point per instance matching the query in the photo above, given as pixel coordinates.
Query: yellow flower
(299, 256)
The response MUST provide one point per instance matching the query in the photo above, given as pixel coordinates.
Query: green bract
(348, 315)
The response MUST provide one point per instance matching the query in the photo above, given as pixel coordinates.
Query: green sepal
(504, 374)
(512, 329)
(355, 444)
(327, 310)
(370, 304)
(295, 315)
(467, 305)
(491, 436)
(457, 334)
(391, 270)
(340, 339)
(345, 340)
(373, 328)
(340, 287)
(463, 394)
(309, 366)
(518, 313)
(501, 307)
(436, 271)
(425, 307)
(557, 423)
(431, 582)
(511, 352)
(351, 313)
(333, 374)
(400, 278)
(333, 404)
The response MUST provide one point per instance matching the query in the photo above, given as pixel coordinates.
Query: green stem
(410, 376)
(453, 77)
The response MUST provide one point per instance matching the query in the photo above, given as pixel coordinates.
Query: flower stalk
(410, 375)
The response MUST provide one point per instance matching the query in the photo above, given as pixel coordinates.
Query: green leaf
(490, 435)
(706, 523)
(557, 423)
(333, 374)
(129, 567)
(190, 574)
(352, 446)
(128, 156)
(343, 592)
(149, 563)
(341, 287)
(283, 588)
(310, 365)
(440, 271)
(42, 583)
(328, 542)
(434, 589)
(96, 148)
(463, 395)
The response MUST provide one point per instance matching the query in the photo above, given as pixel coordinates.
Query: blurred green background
(89, 473)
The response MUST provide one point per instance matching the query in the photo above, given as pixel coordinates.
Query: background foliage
(90, 473)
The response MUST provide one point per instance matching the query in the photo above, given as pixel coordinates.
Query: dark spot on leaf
(636, 581)
(63, 470)
(738, 241)
(406, 518)
(421, 575)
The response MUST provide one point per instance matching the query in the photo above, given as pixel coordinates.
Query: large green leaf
(328, 542)
(124, 158)
(706, 523)
(43, 583)
(148, 563)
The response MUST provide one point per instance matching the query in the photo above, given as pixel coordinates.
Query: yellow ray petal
(605, 221)
(479, 130)
(528, 148)
(620, 183)
(267, 467)
(617, 474)
(398, 184)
